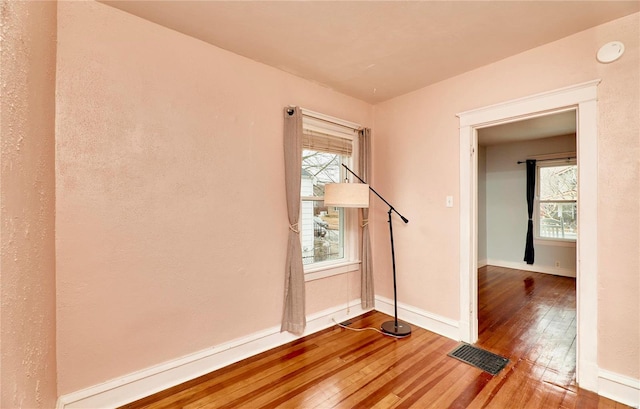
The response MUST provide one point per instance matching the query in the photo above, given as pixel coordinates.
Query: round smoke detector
(610, 52)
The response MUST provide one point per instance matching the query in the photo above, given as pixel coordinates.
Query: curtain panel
(293, 316)
(531, 191)
(364, 170)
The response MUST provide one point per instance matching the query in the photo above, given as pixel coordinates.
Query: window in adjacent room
(557, 200)
(327, 233)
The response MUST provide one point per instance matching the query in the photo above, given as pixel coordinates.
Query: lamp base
(401, 330)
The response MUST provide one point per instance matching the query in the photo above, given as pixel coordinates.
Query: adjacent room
(529, 307)
(176, 228)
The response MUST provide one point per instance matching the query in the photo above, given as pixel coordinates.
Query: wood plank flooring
(527, 317)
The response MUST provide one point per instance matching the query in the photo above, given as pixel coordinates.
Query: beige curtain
(364, 171)
(293, 317)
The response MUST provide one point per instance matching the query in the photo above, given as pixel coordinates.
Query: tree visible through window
(557, 201)
(322, 227)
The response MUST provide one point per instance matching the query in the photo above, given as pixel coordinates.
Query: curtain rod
(545, 160)
(326, 118)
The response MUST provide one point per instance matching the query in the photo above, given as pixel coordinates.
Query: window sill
(554, 242)
(319, 272)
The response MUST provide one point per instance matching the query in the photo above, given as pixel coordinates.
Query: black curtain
(531, 191)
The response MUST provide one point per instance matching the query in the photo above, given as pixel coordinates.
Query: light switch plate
(449, 201)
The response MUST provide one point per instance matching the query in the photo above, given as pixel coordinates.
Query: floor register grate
(485, 360)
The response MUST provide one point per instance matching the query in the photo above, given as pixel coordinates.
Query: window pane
(322, 228)
(319, 168)
(322, 232)
(559, 182)
(558, 220)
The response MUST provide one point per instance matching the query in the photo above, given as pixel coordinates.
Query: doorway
(502, 205)
(527, 312)
(582, 99)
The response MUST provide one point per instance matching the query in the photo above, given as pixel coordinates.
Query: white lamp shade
(346, 195)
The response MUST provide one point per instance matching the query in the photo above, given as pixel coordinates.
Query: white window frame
(560, 160)
(318, 122)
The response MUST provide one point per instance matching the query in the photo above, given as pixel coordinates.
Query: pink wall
(171, 216)
(416, 157)
(170, 202)
(27, 182)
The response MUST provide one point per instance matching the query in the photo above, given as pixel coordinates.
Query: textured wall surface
(27, 253)
(171, 216)
(426, 160)
(170, 204)
(619, 201)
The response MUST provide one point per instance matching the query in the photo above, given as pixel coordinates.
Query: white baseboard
(564, 272)
(432, 322)
(131, 387)
(482, 263)
(137, 385)
(620, 388)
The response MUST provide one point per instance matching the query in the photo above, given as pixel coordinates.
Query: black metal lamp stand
(396, 328)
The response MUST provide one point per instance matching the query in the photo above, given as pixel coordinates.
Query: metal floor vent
(485, 360)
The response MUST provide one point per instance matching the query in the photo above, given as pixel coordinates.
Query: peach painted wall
(27, 215)
(171, 214)
(416, 157)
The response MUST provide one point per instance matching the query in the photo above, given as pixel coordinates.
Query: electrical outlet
(557, 263)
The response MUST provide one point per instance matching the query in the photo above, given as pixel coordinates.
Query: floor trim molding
(134, 386)
(618, 387)
(137, 385)
(424, 319)
(558, 271)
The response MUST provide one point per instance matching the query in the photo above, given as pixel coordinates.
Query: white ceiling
(376, 50)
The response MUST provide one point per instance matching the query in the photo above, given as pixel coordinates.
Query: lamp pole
(396, 328)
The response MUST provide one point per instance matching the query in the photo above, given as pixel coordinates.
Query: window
(326, 232)
(557, 200)
(322, 227)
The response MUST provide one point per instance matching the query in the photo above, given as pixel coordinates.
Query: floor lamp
(357, 195)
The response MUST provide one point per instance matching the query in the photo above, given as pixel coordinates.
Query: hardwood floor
(527, 317)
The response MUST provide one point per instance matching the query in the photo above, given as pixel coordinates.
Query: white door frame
(583, 99)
